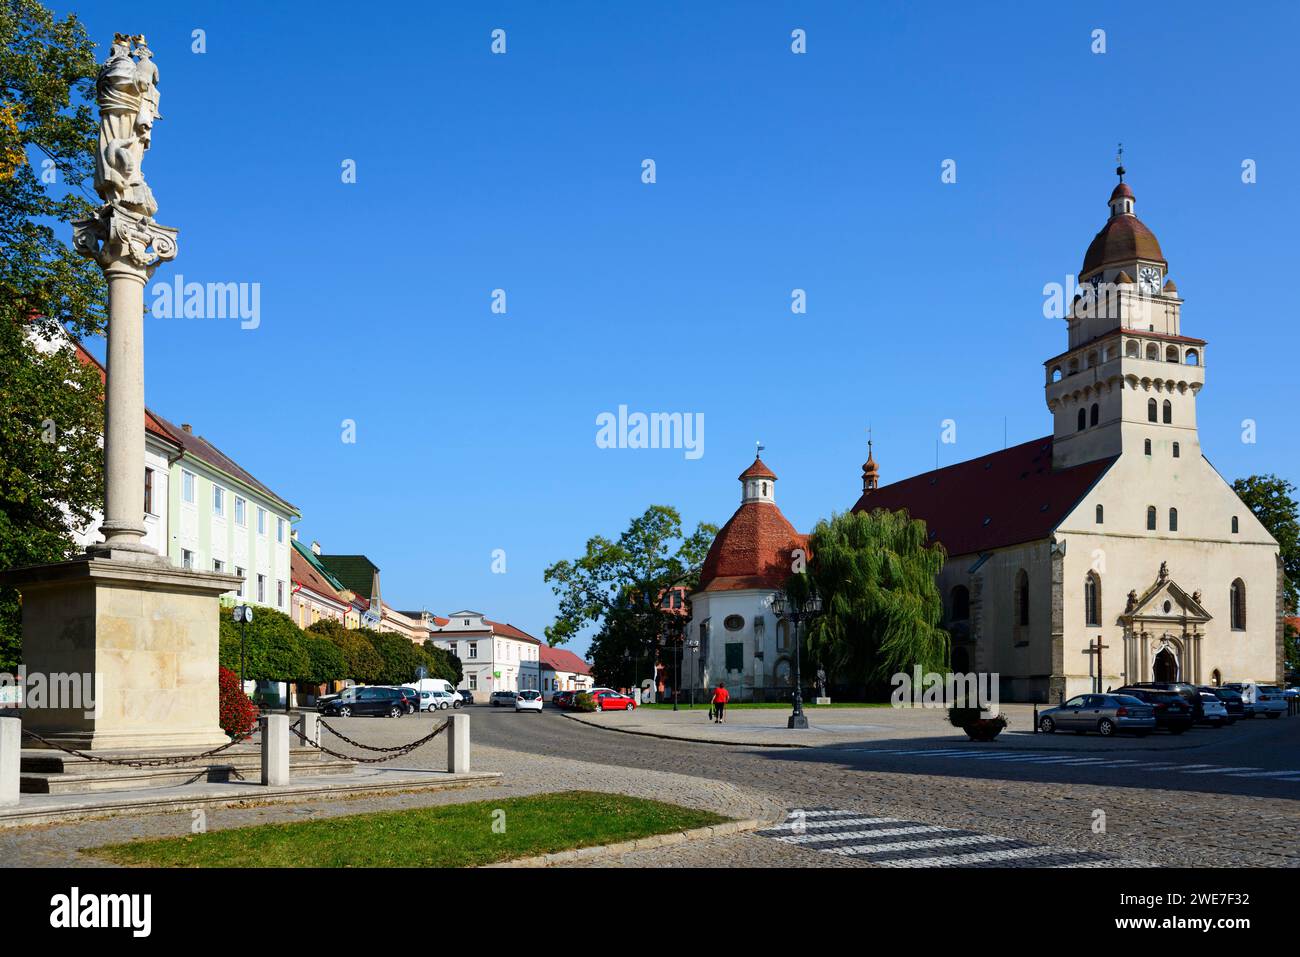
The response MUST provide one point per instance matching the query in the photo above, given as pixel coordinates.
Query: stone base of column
(128, 651)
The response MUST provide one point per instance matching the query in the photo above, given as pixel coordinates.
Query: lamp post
(242, 614)
(693, 645)
(796, 612)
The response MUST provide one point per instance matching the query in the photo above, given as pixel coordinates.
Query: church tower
(1129, 378)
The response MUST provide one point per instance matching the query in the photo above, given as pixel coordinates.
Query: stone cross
(128, 246)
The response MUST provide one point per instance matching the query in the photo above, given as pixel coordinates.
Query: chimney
(315, 548)
(185, 427)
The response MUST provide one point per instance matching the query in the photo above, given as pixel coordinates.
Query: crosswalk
(1078, 759)
(893, 842)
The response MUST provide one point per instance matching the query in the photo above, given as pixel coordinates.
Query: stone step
(119, 778)
(51, 761)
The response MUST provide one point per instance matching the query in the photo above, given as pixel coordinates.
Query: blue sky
(775, 171)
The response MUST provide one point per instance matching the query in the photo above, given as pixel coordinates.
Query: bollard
(275, 749)
(311, 729)
(11, 756)
(457, 743)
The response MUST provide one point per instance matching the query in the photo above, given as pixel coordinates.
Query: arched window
(1146, 446)
(1022, 598)
(1193, 357)
(1153, 351)
(1216, 678)
(1083, 419)
(960, 603)
(1151, 518)
(1237, 604)
(1235, 527)
(1171, 354)
(1151, 410)
(1101, 514)
(1173, 520)
(1169, 412)
(1056, 374)
(1094, 414)
(765, 488)
(1092, 599)
(1092, 359)
(1175, 450)
(1133, 349)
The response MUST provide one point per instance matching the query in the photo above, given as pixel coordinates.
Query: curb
(583, 854)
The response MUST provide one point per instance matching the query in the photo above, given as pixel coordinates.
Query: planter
(984, 729)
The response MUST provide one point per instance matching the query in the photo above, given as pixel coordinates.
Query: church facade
(1110, 547)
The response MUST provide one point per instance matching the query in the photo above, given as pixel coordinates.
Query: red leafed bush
(238, 714)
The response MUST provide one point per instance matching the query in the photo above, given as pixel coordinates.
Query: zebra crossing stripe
(832, 839)
(797, 826)
(981, 857)
(869, 850)
(1263, 774)
(1217, 770)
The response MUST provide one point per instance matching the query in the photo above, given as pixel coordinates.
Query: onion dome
(1124, 238)
(870, 471)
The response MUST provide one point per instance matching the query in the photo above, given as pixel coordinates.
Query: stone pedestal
(822, 700)
(146, 631)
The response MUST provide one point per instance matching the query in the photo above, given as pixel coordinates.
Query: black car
(1232, 701)
(411, 697)
(562, 700)
(1173, 713)
(381, 702)
(466, 696)
(1189, 693)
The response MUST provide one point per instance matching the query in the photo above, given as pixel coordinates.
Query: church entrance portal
(1165, 667)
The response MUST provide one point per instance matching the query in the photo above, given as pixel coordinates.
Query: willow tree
(876, 573)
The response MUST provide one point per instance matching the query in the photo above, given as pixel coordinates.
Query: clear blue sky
(775, 171)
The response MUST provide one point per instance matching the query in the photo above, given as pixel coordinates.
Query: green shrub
(274, 647)
(584, 702)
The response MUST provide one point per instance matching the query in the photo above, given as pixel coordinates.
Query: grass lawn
(453, 835)
(782, 705)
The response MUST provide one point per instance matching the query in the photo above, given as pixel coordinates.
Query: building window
(1095, 414)
(1237, 603)
(1101, 514)
(218, 502)
(261, 521)
(218, 565)
(1235, 526)
(1146, 446)
(148, 491)
(1083, 419)
(1175, 450)
(242, 578)
(735, 655)
(1168, 412)
(960, 603)
(279, 593)
(1173, 520)
(187, 487)
(1022, 598)
(1151, 410)
(1151, 518)
(733, 623)
(261, 588)
(279, 530)
(187, 559)
(473, 681)
(241, 508)
(1092, 599)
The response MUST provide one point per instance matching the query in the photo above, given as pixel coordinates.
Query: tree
(1269, 498)
(325, 661)
(361, 662)
(443, 664)
(618, 586)
(402, 657)
(51, 407)
(274, 647)
(881, 605)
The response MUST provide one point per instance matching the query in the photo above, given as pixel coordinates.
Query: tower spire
(1119, 162)
(870, 470)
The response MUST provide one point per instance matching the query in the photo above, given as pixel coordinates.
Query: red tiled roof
(757, 470)
(302, 573)
(752, 550)
(558, 659)
(510, 631)
(151, 421)
(1000, 499)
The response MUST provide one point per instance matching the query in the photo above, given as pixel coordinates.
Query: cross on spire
(1119, 162)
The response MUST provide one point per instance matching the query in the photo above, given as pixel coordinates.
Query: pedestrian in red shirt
(720, 699)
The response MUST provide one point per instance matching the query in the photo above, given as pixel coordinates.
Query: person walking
(720, 699)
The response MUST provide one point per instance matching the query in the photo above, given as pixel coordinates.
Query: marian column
(128, 245)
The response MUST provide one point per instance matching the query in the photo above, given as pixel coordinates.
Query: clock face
(1149, 277)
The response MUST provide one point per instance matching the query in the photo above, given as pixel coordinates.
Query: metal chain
(367, 747)
(142, 762)
(390, 754)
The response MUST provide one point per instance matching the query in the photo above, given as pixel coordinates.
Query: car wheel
(458, 704)
(345, 712)
(1105, 727)
(630, 706)
(1046, 725)
(395, 711)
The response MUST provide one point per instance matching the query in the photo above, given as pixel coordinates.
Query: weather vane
(758, 449)
(1119, 162)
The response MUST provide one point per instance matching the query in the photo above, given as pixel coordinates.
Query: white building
(494, 656)
(562, 670)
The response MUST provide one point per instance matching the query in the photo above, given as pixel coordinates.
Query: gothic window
(1022, 598)
(1235, 527)
(1092, 599)
(1151, 518)
(1237, 601)
(1094, 414)
(1151, 410)
(1173, 520)
(960, 603)
(1101, 515)
(1056, 374)
(1175, 450)
(1168, 412)
(1146, 446)
(764, 488)
(1083, 419)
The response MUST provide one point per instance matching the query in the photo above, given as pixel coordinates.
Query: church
(1110, 546)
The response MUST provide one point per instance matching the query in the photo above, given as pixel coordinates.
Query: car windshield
(1128, 699)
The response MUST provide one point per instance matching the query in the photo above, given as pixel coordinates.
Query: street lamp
(796, 612)
(693, 645)
(242, 614)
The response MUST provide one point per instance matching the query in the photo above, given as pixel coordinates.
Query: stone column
(11, 750)
(457, 743)
(275, 749)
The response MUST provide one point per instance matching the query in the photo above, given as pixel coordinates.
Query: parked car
(411, 697)
(381, 702)
(1260, 699)
(563, 700)
(467, 696)
(500, 698)
(439, 700)
(1232, 702)
(1173, 714)
(1216, 715)
(1104, 713)
(613, 701)
(1190, 693)
(529, 701)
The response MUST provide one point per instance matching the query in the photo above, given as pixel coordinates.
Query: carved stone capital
(118, 238)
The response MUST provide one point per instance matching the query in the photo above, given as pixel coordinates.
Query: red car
(613, 701)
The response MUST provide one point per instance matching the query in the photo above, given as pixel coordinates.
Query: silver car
(1104, 713)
